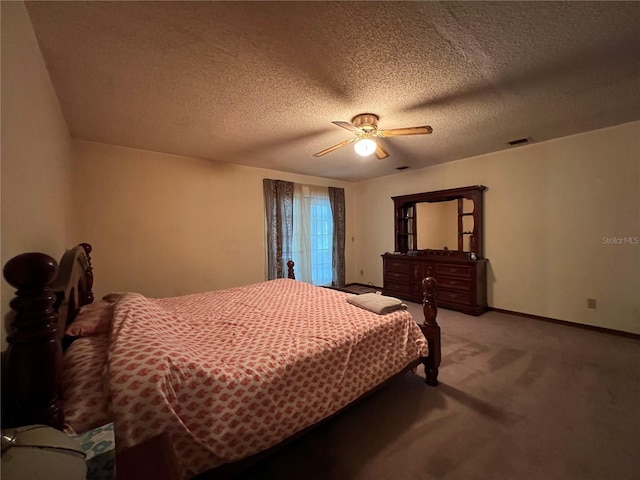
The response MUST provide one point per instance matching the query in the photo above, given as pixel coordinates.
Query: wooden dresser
(462, 283)
(439, 234)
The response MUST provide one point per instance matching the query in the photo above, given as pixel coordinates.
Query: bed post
(34, 354)
(431, 330)
(290, 273)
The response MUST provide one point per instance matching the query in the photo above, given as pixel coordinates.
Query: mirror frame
(406, 220)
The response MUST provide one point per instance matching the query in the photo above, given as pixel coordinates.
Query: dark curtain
(336, 197)
(278, 201)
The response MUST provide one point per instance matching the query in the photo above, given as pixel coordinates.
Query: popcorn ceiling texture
(258, 83)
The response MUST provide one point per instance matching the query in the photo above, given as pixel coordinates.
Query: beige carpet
(519, 399)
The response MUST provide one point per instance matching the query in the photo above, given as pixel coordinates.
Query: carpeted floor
(519, 399)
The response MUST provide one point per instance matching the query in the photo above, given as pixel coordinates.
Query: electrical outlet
(591, 303)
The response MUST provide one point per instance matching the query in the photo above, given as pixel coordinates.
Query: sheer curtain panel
(312, 234)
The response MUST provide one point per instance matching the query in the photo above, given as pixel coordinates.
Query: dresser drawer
(395, 288)
(419, 271)
(446, 296)
(456, 283)
(394, 266)
(463, 271)
(397, 276)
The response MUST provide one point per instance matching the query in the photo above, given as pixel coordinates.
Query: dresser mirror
(437, 225)
(443, 222)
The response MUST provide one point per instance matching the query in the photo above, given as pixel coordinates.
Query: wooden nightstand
(153, 458)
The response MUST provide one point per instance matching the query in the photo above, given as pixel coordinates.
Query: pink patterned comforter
(233, 372)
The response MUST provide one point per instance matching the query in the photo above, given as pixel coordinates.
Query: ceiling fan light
(365, 147)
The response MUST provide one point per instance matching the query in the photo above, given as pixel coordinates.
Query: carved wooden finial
(429, 305)
(87, 248)
(30, 271)
(33, 385)
(290, 273)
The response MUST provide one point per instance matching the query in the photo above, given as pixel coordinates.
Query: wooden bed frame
(48, 298)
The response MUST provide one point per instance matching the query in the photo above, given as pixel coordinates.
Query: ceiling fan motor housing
(366, 121)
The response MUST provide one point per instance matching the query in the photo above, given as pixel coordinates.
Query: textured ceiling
(258, 83)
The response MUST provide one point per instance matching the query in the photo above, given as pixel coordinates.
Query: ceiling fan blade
(335, 147)
(348, 126)
(396, 132)
(381, 152)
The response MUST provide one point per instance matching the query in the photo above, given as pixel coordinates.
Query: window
(305, 223)
(312, 234)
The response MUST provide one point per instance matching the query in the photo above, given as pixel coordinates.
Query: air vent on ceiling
(402, 168)
(518, 141)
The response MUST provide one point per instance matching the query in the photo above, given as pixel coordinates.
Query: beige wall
(168, 225)
(547, 208)
(35, 150)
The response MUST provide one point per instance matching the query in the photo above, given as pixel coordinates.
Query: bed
(226, 374)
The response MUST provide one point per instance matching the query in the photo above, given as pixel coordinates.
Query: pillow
(113, 296)
(92, 319)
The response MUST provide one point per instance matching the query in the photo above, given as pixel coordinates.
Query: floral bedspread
(230, 373)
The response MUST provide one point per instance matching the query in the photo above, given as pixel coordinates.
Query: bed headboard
(47, 298)
(73, 285)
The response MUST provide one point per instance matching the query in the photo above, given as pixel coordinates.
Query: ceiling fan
(365, 128)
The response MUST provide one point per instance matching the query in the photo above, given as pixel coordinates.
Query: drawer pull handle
(453, 282)
(453, 270)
